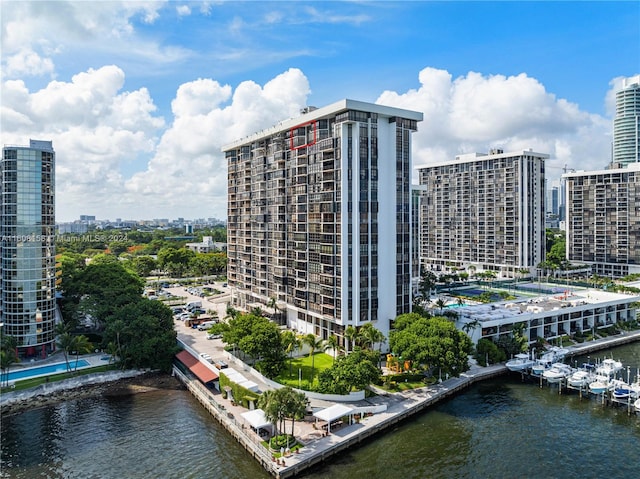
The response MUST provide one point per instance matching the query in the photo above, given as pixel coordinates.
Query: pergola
(257, 420)
(333, 413)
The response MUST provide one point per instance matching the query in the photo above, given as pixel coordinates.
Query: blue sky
(138, 97)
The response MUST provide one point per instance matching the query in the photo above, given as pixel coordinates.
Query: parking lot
(198, 339)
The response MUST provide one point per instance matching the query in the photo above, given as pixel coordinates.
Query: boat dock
(399, 407)
(321, 446)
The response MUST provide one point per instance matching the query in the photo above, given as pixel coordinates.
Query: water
(498, 429)
(45, 370)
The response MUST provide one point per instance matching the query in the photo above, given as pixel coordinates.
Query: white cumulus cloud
(476, 112)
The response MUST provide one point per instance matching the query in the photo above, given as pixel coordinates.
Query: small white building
(549, 316)
(207, 245)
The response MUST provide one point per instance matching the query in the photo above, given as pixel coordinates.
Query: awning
(202, 372)
(333, 412)
(256, 419)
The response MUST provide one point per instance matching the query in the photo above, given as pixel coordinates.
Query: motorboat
(557, 372)
(520, 362)
(541, 365)
(580, 379)
(622, 390)
(553, 355)
(609, 367)
(600, 385)
(636, 405)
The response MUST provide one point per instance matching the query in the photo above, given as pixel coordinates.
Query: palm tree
(7, 357)
(314, 343)
(295, 406)
(66, 342)
(291, 342)
(470, 326)
(82, 345)
(440, 304)
(269, 403)
(273, 304)
(351, 334)
(370, 335)
(231, 312)
(333, 344)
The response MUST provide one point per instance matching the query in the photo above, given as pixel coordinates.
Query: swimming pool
(46, 370)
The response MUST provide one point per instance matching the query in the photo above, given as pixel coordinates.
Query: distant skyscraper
(626, 124)
(485, 211)
(27, 248)
(320, 218)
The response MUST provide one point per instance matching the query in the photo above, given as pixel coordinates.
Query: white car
(213, 336)
(206, 357)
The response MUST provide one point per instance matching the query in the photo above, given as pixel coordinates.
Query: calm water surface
(498, 429)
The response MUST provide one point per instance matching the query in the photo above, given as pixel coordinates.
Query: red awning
(202, 372)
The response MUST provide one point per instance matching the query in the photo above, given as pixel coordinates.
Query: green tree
(81, 345)
(291, 343)
(350, 335)
(144, 265)
(144, 333)
(433, 342)
(353, 372)
(8, 357)
(488, 350)
(333, 344)
(315, 343)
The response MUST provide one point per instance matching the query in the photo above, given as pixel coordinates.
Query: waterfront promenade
(399, 407)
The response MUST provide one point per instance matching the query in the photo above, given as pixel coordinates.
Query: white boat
(608, 367)
(622, 390)
(520, 362)
(636, 405)
(580, 379)
(557, 372)
(600, 385)
(545, 361)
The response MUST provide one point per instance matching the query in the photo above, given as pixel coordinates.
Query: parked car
(213, 336)
(221, 364)
(206, 357)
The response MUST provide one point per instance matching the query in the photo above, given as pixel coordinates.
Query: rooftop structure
(548, 316)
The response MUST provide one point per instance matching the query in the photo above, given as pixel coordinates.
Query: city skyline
(140, 98)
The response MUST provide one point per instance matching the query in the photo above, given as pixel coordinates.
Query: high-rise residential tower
(319, 217)
(626, 123)
(27, 247)
(484, 212)
(603, 220)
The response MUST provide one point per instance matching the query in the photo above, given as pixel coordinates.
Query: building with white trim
(549, 316)
(626, 123)
(319, 217)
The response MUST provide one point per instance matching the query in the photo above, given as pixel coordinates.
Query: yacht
(557, 372)
(520, 362)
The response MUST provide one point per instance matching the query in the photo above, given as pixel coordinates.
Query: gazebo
(334, 413)
(257, 420)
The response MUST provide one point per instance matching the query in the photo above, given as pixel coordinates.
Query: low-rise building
(550, 316)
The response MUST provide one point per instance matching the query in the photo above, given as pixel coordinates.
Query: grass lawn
(302, 365)
(404, 386)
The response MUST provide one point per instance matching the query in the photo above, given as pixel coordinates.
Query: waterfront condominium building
(603, 220)
(319, 217)
(27, 249)
(626, 123)
(484, 212)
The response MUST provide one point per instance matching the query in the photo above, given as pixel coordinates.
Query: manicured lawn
(301, 369)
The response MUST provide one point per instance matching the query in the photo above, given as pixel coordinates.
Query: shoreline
(124, 383)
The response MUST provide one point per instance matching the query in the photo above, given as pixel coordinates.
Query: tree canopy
(433, 342)
(352, 372)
